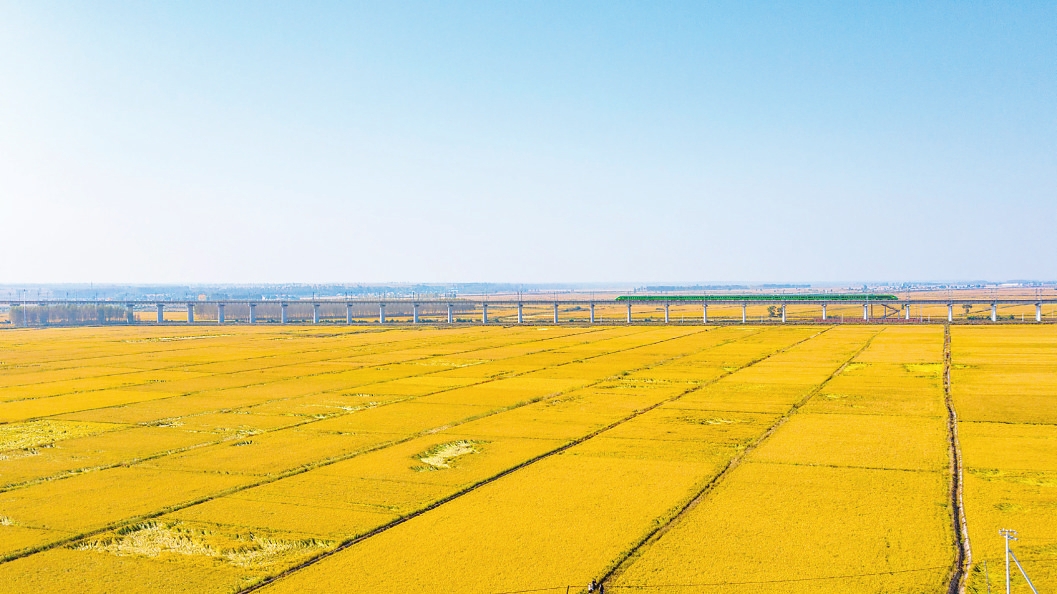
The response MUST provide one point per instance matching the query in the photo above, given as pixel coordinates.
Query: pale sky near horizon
(527, 141)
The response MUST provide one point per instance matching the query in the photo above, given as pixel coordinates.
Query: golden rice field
(1003, 382)
(786, 459)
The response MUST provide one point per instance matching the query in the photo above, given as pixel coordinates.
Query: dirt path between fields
(345, 545)
(652, 537)
(339, 458)
(963, 557)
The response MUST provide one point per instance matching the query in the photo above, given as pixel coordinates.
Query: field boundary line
(963, 558)
(15, 555)
(190, 366)
(172, 451)
(277, 330)
(189, 349)
(473, 487)
(621, 564)
(264, 383)
(270, 367)
(175, 451)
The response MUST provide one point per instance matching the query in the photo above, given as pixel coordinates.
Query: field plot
(847, 494)
(740, 458)
(568, 517)
(1004, 382)
(298, 404)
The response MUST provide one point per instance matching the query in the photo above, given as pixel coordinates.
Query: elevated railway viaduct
(891, 307)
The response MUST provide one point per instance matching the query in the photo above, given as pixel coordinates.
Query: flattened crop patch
(442, 456)
(155, 539)
(35, 434)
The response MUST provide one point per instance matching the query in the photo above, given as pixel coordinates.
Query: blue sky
(527, 142)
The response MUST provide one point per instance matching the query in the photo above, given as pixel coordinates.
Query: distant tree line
(43, 315)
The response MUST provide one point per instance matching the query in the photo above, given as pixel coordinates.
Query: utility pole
(1008, 535)
(1012, 535)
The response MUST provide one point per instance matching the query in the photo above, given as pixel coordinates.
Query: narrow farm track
(620, 564)
(514, 469)
(109, 358)
(328, 349)
(321, 349)
(174, 451)
(335, 459)
(195, 343)
(271, 401)
(963, 558)
(191, 366)
(253, 384)
(687, 466)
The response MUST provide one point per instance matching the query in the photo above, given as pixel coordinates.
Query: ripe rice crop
(1004, 382)
(569, 515)
(45, 432)
(487, 459)
(842, 498)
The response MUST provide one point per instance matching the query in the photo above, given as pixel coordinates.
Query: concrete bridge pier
(866, 312)
(282, 313)
(253, 313)
(823, 312)
(950, 312)
(381, 313)
(665, 313)
(348, 314)
(520, 313)
(414, 313)
(629, 312)
(1038, 312)
(161, 313)
(555, 312)
(704, 313)
(190, 313)
(451, 315)
(484, 313)
(220, 313)
(592, 313)
(744, 313)
(907, 312)
(994, 312)
(315, 313)
(783, 313)
(130, 314)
